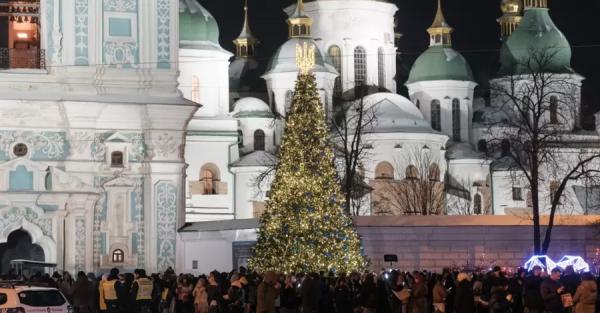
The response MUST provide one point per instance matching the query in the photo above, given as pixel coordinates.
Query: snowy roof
(221, 225)
(251, 107)
(256, 158)
(394, 113)
(462, 150)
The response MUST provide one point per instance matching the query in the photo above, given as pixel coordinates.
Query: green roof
(536, 34)
(440, 63)
(196, 23)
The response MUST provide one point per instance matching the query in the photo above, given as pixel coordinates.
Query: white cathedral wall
(342, 23)
(249, 125)
(204, 78)
(445, 91)
(250, 192)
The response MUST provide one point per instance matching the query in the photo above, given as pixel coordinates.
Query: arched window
(434, 172)
(456, 120)
(505, 147)
(118, 256)
(209, 177)
(360, 66)
(384, 170)
(412, 172)
(240, 138)
(259, 140)
(335, 55)
(116, 159)
(303, 30)
(381, 64)
(289, 98)
(553, 110)
(195, 89)
(477, 204)
(436, 115)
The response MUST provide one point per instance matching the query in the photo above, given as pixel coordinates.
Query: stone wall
(434, 242)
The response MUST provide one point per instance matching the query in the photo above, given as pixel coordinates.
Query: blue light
(542, 261)
(579, 265)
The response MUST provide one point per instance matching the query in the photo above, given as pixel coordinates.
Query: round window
(20, 149)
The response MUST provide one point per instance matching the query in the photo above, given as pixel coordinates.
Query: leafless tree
(466, 197)
(351, 148)
(537, 138)
(420, 192)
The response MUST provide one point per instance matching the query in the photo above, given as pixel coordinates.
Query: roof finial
(299, 23)
(440, 31)
(245, 41)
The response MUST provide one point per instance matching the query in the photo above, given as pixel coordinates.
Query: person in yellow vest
(108, 292)
(142, 290)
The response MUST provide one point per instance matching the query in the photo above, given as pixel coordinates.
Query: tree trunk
(536, 213)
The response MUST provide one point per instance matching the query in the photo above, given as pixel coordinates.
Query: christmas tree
(304, 227)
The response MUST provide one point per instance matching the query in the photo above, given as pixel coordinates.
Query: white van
(19, 297)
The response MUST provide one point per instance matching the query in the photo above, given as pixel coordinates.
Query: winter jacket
(551, 297)
(532, 297)
(266, 293)
(418, 298)
(82, 293)
(585, 297)
(439, 293)
(464, 301)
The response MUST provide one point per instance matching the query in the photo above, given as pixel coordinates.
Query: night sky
(476, 33)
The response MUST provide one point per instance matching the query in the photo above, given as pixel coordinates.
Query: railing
(22, 58)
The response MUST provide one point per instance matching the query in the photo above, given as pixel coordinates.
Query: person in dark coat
(532, 298)
(289, 296)
(551, 291)
(343, 296)
(368, 294)
(464, 301)
(126, 299)
(82, 294)
(418, 294)
(267, 292)
(309, 291)
(570, 280)
(498, 301)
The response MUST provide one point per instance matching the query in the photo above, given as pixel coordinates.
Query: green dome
(440, 63)
(196, 23)
(536, 34)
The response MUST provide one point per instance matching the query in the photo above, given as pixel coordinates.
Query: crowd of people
(391, 291)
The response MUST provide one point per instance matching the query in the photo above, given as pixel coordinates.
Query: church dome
(251, 107)
(536, 33)
(196, 24)
(284, 60)
(440, 63)
(395, 113)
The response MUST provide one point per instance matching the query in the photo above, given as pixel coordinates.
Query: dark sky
(476, 33)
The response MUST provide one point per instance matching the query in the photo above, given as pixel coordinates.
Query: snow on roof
(256, 158)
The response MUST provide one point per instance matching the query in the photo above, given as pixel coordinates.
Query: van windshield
(42, 298)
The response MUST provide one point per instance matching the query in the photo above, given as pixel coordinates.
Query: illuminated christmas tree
(304, 227)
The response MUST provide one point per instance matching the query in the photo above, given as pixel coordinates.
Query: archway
(19, 246)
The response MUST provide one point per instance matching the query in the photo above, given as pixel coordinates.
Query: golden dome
(511, 6)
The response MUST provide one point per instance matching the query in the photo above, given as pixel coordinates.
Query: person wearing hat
(142, 290)
(108, 291)
(532, 298)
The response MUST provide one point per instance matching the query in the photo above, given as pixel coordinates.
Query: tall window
(436, 115)
(259, 140)
(335, 54)
(384, 170)
(118, 256)
(477, 204)
(360, 66)
(412, 172)
(116, 159)
(434, 172)
(381, 64)
(553, 110)
(195, 89)
(456, 120)
(209, 177)
(418, 104)
(517, 194)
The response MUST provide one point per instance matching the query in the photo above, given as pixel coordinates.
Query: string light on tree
(304, 227)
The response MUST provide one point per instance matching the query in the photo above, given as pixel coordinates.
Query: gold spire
(440, 32)
(511, 17)
(305, 57)
(245, 42)
(299, 23)
(536, 4)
